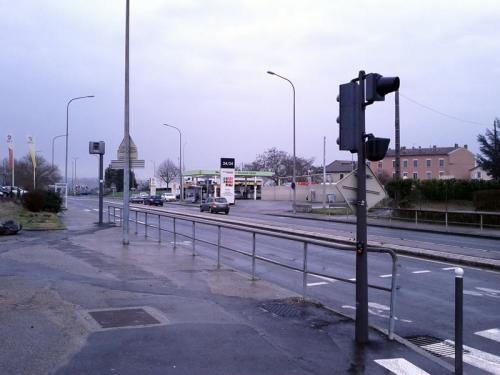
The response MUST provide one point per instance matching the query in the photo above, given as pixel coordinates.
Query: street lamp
(67, 126)
(74, 178)
(180, 158)
(294, 186)
(53, 139)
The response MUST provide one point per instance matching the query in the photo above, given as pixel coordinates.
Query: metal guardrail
(316, 240)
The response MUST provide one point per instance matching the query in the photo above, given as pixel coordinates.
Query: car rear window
(221, 200)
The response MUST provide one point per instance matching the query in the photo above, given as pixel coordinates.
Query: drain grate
(434, 345)
(284, 310)
(128, 317)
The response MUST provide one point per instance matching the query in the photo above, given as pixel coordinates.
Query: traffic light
(378, 86)
(349, 109)
(376, 148)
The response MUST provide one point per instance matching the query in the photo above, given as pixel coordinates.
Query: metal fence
(152, 221)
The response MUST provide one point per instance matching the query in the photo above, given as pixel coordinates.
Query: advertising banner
(31, 146)
(227, 179)
(10, 146)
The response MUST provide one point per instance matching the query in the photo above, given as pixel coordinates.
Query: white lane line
(325, 278)
(388, 275)
(400, 366)
(96, 209)
(488, 290)
(474, 357)
(317, 284)
(353, 279)
(421, 271)
(492, 334)
(449, 268)
(86, 210)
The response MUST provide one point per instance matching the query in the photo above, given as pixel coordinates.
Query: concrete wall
(304, 193)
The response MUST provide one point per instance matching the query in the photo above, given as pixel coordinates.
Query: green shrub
(487, 200)
(33, 201)
(53, 202)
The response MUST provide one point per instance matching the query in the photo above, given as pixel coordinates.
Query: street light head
(272, 73)
(91, 96)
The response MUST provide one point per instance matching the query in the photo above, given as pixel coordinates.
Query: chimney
(465, 146)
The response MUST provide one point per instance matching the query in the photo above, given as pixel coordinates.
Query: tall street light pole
(126, 134)
(53, 139)
(294, 185)
(67, 127)
(180, 158)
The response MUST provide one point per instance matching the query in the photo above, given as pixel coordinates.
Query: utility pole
(397, 138)
(324, 172)
(126, 169)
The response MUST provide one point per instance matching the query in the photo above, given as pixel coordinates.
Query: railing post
(114, 215)
(446, 219)
(416, 217)
(136, 222)
(481, 221)
(121, 216)
(194, 238)
(159, 228)
(253, 256)
(109, 218)
(145, 224)
(459, 289)
(304, 272)
(175, 236)
(218, 246)
(392, 313)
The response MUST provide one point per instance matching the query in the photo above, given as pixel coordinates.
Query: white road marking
(449, 268)
(472, 293)
(492, 334)
(488, 290)
(421, 271)
(325, 278)
(348, 307)
(388, 275)
(474, 357)
(353, 279)
(96, 209)
(400, 366)
(318, 283)
(86, 210)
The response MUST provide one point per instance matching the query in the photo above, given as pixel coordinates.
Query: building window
(441, 163)
(428, 175)
(441, 174)
(415, 175)
(428, 163)
(394, 164)
(478, 175)
(415, 163)
(342, 176)
(405, 174)
(379, 165)
(405, 163)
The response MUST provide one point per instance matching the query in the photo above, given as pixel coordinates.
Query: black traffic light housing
(377, 87)
(376, 148)
(348, 119)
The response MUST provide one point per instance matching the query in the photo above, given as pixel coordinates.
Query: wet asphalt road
(425, 301)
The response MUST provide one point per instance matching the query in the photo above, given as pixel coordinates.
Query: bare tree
(46, 174)
(168, 171)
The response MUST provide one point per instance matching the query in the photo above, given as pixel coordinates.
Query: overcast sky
(201, 66)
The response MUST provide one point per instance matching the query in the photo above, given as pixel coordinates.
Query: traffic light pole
(361, 329)
(101, 186)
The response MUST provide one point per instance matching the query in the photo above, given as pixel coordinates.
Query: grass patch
(29, 220)
(332, 211)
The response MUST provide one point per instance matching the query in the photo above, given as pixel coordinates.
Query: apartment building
(427, 163)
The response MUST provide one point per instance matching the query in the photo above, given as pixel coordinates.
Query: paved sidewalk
(187, 316)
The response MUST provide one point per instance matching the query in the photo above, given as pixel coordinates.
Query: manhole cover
(434, 345)
(130, 317)
(284, 310)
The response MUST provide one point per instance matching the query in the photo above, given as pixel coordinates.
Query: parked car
(136, 198)
(214, 205)
(168, 197)
(153, 200)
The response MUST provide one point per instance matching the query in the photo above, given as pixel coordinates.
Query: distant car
(136, 198)
(238, 195)
(153, 200)
(214, 205)
(168, 197)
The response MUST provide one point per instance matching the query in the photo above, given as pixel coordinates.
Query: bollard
(159, 228)
(194, 238)
(253, 256)
(459, 289)
(175, 236)
(145, 224)
(304, 273)
(136, 222)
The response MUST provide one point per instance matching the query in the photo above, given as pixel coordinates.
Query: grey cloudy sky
(201, 65)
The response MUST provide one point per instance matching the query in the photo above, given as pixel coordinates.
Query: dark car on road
(136, 198)
(154, 200)
(214, 205)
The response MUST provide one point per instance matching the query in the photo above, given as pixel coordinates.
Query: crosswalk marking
(400, 366)
(492, 334)
(317, 284)
(474, 357)
(421, 271)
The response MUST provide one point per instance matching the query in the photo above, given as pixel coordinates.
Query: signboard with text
(227, 179)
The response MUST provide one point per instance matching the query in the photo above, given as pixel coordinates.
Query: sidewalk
(163, 311)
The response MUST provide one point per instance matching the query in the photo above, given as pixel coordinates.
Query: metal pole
(481, 221)
(397, 150)
(304, 272)
(459, 289)
(175, 236)
(218, 246)
(136, 222)
(101, 186)
(126, 169)
(159, 228)
(253, 256)
(53, 140)
(194, 238)
(392, 315)
(324, 172)
(109, 219)
(180, 159)
(361, 230)
(146, 224)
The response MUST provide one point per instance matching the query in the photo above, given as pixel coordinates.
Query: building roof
(424, 151)
(341, 166)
